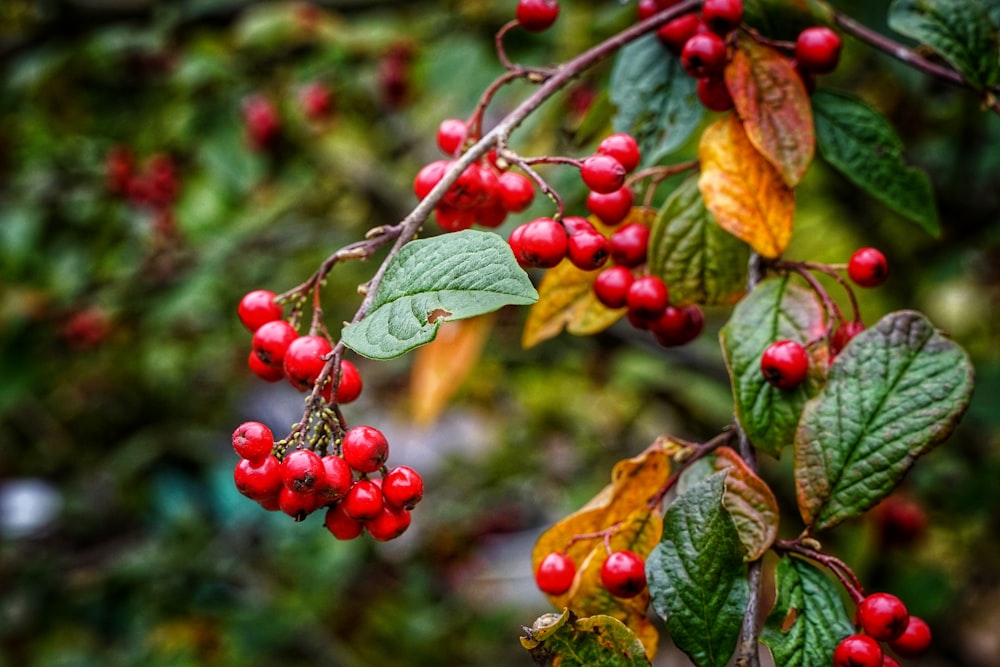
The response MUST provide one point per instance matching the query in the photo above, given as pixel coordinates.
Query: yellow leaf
(440, 367)
(751, 503)
(744, 192)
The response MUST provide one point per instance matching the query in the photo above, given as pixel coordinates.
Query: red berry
(261, 121)
(452, 219)
(264, 371)
(253, 441)
(555, 573)
(623, 574)
(613, 207)
(491, 216)
(340, 525)
(257, 308)
(302, 471)
(857, 651)
(467, 192)
(402, 487)
(901, 521)
(646, 8)
(883, 616)
(611, 286)
(516, 191)
(537, 15)
(365, 448)
(817, 50)
(914, 641)
(602, 173)
(540, 243)
(258, 481)
(316, 100)
(714, 94)
(350, 383)
(629, 244)
(429, 176)
(843, 335)
(868, 267)
(297, 504)
(304, 360)
(389, 524)
(622, 147)
(588, 250)
(363, 501)
(785, 364)
(675, 34)
(271, 341)
(678, 326)
(704, 55)
(722, 16)
(119, 166)
(647, 298)
(337, 478)
(451, 135)
(888, 661)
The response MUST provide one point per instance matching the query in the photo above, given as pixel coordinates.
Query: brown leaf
(750, 502)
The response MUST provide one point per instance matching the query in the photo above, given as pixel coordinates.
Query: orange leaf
(440, 367)
(744, 191)
(751, 503)
(773, 104)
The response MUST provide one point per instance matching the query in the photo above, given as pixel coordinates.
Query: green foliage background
(149, 555)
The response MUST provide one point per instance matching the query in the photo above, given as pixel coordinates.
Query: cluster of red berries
(155, 184)
(262, 121)
(301, 481)
(883, 618)
(484, 193)
(623, 573)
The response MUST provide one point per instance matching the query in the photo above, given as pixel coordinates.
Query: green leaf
(568, 641)
(893, 393)
(696, 574)
(959, 30)
(440, 279)
(860, 143)
(775, 310)
(808, 619)
(657, 101)
(700, 261)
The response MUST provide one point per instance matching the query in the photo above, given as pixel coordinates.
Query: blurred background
(137, 206)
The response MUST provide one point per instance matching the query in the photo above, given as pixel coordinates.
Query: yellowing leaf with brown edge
(440, 367)
(744, 192)
(750, 502)
(774, 106)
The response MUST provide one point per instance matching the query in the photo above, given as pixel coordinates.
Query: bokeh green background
(122, 538)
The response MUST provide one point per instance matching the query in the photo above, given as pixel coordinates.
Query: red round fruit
(675, 34)
(253, 441)
(540, 243)
(260, 118)
(302, 471)
(785, 364)
(704, 55)
(337, 478)
(611, 286)
(363, 501)
(857, 651)
(516, 191)
(714, 94)
(257, 308)
(622, 147)
(271, 341)
(843, 335)
(868, 267)
(258, 481)
(340, 525)
(646, 8)
(883, 616)
(888, 661)
(678, 325)
(901, 521)
(914, 641)
(262, 370)
(817, 50)
(429, 176)
(629, 244)
(452, 219)
(555, 573)
(466, 192)
(304, 360)
(365, 448)
(316, 100)
(623, 574)
(612, 207)
(350, 383)
(722, 16)
(588, 250)
(491, 216)
(537, 15)
(389, 524)
(451, 135)
(402, 487)
(602, 173)
(647, 298)
(297, 504)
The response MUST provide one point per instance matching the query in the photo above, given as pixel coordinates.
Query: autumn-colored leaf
(440, 367)
(744, 192)
(773, 104)
(565, 640)
(750, 503)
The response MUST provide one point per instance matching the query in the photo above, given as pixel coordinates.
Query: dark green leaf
(808, 619)
(959, 30)
(443, 278)
(775, 310)
(892, 394)
(700, 261)
(696, 574)
(656, 99)
(860, 143)
(595, 641)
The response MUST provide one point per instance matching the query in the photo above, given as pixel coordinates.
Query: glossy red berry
(264, 371)
(914, 641)
(675, 34)
(516, 191)
(304, 360)
(429, 176)
(257, 308)
(337, 478)
(602, 173)
(261, 121)
(611, 286)
(843, 335)
(452, 219)
(555, 573)
(271, 341)
(785, 364)
(365, 448)
(340, 524)
(868, 267)
(302, 471)
(588, 250)
(678, 325)
(316, 100)
(540, 243)
(883, 616)
(857, 651)
(629, 244)
(714, 94)
(537, 15)
(363, 501)
(403, 487)
(722, 16)
(253, 441)
(901, 521)
(390, 523)
(817, 50)
(646, 8)
(259, 481)
(491, 216)
(613, 207)
(888, 660)
(451, 135)
(297, 504)
(622, 147)
(623, 574)
(350, 383)
(704, 55)
(647, 298)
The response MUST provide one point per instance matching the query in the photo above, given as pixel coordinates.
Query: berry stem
(839, 568)
(829, 305)
(543, 185)
(657, 175)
